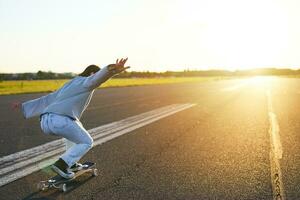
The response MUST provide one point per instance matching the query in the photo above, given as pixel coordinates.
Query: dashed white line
(275, 152)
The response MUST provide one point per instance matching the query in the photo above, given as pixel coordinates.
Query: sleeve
(98, 78)
(35, 107)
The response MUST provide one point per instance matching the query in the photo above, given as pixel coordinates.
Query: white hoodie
(70, 100)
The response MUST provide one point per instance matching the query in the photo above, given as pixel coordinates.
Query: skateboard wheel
(41, 186)
(64, 187)
(95, 172)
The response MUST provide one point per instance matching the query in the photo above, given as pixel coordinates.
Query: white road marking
(275, 152)
(23, 163)
(41, 149)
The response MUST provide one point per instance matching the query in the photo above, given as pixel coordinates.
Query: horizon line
(188, 69)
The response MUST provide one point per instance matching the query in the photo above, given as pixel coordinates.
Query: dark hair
(89, 70)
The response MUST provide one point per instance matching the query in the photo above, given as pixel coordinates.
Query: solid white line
(51, 150)
(21, 167)
(276, 152)
(142, 124)
(26, 171)
(36, 151)
(139, 121)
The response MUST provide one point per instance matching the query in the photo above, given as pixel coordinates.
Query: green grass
(19, 87)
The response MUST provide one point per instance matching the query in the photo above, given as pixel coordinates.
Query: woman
(60, 112)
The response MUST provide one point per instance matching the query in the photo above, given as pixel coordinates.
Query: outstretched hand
(119, 66)
(15, 105)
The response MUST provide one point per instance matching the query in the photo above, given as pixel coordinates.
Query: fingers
(125, 60)
(15, 105)
(122, 61)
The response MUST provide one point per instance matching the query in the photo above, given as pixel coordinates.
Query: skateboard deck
(60, 183)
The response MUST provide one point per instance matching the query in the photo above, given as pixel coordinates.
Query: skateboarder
(60, 112)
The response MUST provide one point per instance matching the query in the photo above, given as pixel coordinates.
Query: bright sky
(156, 35)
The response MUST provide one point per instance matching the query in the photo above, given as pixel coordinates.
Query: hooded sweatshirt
(70, 100)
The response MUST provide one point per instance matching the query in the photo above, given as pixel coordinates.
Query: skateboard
(60, 183)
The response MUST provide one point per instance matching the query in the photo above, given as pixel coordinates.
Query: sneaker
(61, 168)
(76, 167)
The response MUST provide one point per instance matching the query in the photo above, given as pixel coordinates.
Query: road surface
(230, 139)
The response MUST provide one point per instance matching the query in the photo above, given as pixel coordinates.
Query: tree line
(42, 75)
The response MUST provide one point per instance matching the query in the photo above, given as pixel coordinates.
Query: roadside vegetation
(49, 81)
(33, 86)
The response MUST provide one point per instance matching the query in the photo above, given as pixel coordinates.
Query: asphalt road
(225, 147)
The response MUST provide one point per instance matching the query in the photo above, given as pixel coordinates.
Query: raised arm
(105, 73)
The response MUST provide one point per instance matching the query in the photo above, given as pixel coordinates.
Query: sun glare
(260, 81)
(245, 34)
(169, 35)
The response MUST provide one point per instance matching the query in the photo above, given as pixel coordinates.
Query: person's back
(71, 99)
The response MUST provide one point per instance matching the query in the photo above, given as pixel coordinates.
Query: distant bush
(40, 75)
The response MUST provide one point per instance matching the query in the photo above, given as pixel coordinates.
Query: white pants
(78, 140)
